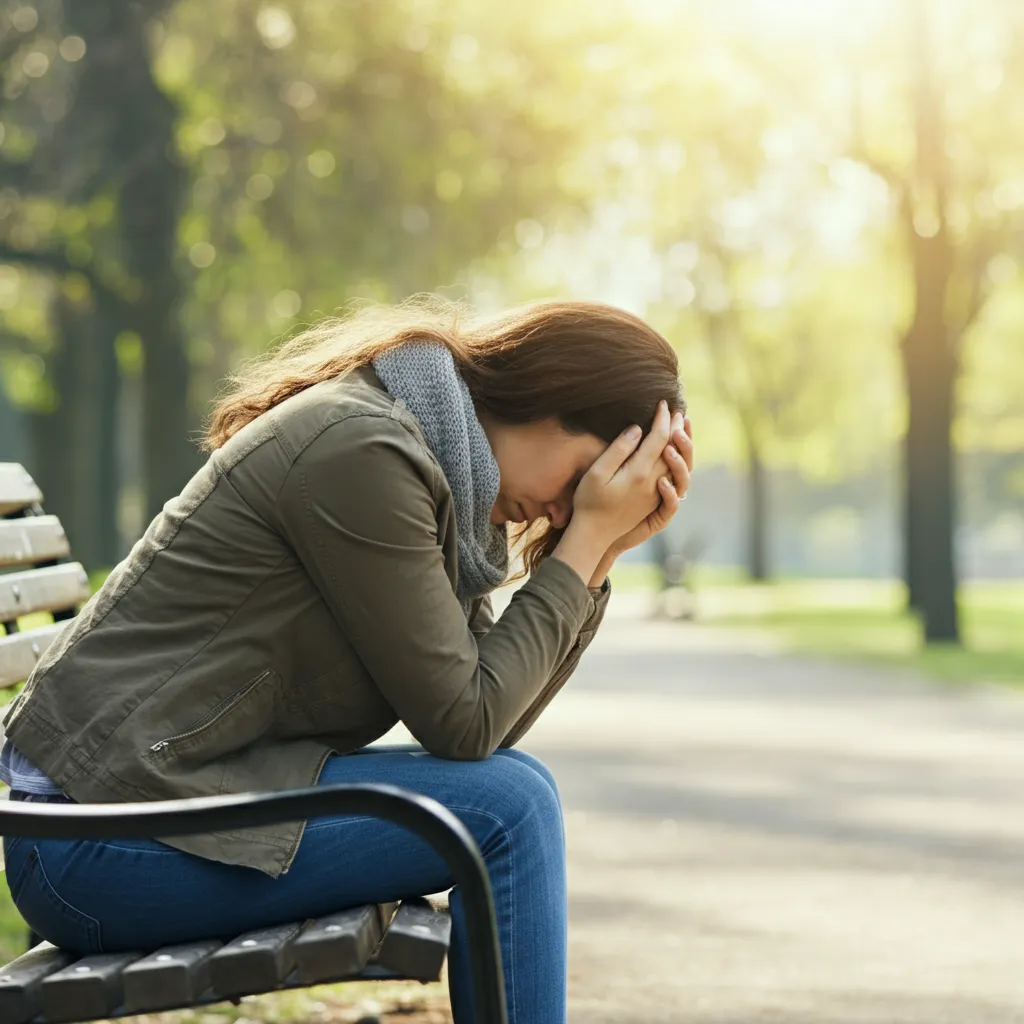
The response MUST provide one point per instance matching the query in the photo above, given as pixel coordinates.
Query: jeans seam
(321, 823)
(14, 884)
(511, 899)
(61, 905)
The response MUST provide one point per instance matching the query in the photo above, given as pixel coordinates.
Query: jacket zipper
(208, 719)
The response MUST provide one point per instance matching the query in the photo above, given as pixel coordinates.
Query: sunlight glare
(806, 18)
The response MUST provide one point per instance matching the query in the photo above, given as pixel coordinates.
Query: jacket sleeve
(483, 620)
(359, 506)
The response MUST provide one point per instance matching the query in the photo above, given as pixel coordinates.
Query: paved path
(754, 837)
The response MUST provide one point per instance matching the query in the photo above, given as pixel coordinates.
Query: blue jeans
(106, 895)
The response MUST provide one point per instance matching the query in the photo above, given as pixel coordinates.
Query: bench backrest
(39, 587)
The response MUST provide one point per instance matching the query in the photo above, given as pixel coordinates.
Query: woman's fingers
(684, 446)
(650, 451)
(669, 503)
(610, 461)
(639, 464)
(679, 469)
(682, 438)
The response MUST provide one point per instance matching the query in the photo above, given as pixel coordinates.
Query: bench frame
(422, 816)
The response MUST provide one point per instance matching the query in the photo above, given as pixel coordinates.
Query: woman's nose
(558, 512)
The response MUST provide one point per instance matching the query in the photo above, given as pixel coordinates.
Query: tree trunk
(12, 431)
(75, 460)
(150, 196)
(929, 512)
(930, 365)
(150, 204)
(757, 513)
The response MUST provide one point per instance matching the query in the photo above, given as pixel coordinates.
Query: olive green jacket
(296, 599)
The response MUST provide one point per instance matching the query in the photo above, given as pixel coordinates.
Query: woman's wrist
(583, 549)
(603, 568)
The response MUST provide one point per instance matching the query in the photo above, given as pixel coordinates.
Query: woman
(325, 575)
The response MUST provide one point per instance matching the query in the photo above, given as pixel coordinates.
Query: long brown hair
(595, 368)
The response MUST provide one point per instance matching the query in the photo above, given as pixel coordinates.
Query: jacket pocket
(238, 720)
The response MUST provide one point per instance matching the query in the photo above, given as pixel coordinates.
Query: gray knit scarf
(424, 376)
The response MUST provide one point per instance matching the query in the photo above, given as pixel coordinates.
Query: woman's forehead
(588, 450)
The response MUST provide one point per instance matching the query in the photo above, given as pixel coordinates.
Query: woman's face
(541, 464)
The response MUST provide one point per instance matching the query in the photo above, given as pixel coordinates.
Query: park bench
(407, 940)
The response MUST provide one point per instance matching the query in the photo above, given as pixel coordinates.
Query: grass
(327, 1004)
(644, 576)
(867, 619)
(13, 930)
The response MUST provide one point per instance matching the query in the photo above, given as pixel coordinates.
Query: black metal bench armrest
(420, 815)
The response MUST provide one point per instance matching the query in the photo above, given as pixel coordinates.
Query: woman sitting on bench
(325, 575)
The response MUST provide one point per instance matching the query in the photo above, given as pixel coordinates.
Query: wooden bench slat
(17, 489)
(255, 962)
(173, 977)
(42, 590)
(32, 539)
(21, 980)
(20, 652)
(339, 945)
(417, 942)
(65, 988)
(87, 989)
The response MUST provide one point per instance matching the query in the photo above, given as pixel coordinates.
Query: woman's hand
(621, 489)
(678, 459)
(678, 456)
(628, 495)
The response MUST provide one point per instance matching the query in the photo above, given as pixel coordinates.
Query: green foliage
(705, 164)
(367, 155)
(13, 930)
(868, 621)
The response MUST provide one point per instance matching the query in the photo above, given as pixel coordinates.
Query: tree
(239, 165)
(68, 321)
(951, 240)
(366, 156)
(134, 158)
(697, 160)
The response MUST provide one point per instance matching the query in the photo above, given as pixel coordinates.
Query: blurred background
(817, 201)
(773, 812)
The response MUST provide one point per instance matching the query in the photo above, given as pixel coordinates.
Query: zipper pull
(158, 746)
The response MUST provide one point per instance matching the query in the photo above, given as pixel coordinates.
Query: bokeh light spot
(448, 186)
(415, 219)
(210, 132)
(275, 26)
(35, 64)
(72, 48)
(24, 19)
(285, 304)
(321, 163)
(259, 187)
(529, 234)
(202, 255)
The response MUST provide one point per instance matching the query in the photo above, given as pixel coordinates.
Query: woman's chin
(507, 513)
(500, 518)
